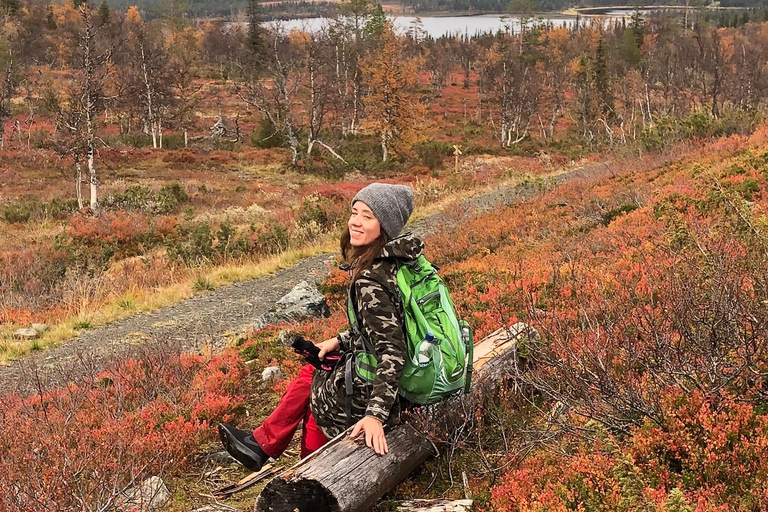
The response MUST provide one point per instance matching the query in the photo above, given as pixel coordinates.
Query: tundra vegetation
(207, 148)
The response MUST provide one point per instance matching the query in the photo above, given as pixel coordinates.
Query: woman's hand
(327, 346)
(374, 434)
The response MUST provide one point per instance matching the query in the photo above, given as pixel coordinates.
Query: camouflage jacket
(381, 320)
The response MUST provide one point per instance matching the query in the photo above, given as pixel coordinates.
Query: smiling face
(364, 227)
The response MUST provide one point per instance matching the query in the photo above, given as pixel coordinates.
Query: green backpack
(439, 359)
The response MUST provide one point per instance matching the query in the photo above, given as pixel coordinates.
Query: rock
(271, 373)
(215, 508)
(434, 506)
(151, 495)
(26, 333)
(221, 457)
(285, 336)
(41, 328)
(302, 302)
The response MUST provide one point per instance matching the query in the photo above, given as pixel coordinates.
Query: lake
(437, 26)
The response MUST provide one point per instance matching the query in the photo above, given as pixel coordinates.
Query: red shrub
(76, 448)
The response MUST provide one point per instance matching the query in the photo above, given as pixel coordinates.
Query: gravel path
(211, 319)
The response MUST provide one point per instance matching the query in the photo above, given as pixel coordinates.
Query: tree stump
(346, 476)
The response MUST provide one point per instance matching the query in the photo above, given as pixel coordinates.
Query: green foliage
(361, 152)
(319, 210)
(612, 214)
(196, 246)
(135, 197)
(17, 213)
(59, 208)
(669, 130)
(229, 245)
(138, 197)
(104, 12)
(749, 188)
(169, 196)
(83, 324)
(202, 284)
(629, 49)
(126, 303)
(199, 245)
(677, 502)
(271, 239)
(265, 135)
(431, 154)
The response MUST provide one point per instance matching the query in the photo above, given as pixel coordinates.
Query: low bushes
(78, 447)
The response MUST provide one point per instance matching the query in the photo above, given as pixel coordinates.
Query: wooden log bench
(347, 476)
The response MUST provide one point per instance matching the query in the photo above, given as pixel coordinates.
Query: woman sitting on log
(330, 400)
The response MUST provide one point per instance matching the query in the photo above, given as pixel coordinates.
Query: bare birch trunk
(148, 86)
(79, 184)
(384, 151)
(90, 107)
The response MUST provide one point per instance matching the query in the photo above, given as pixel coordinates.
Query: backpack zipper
(425, 298)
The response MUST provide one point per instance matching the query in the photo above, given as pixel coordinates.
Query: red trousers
(275, 434)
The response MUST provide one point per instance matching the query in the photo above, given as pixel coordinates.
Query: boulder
(271, 373)
(41, 328)
(151, 495)
(27, 333)
(302, 302)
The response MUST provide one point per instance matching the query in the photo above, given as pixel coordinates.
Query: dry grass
(138, 300)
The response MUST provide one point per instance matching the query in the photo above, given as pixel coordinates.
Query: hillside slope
(647, 281)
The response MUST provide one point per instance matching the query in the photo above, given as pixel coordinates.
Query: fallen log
(347, 476)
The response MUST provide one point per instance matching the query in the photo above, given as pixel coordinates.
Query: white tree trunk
(150, 112)
(384, 150)
(93, 182)
(79, 184)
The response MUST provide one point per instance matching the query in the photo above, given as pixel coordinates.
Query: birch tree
(273, 88)
(86, 99)
(145, 72)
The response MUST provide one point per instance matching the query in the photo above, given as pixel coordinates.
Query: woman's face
(364, 228)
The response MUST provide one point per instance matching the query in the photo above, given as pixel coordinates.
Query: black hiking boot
(242, 446)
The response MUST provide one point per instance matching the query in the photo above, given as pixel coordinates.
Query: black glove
(310, 351)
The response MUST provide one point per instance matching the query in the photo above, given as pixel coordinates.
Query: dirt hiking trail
(211, 319)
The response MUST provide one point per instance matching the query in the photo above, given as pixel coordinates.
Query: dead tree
(10, 83)
(347, 476)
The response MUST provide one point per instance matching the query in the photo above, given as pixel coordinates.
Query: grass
(202, 284)
(151, 300)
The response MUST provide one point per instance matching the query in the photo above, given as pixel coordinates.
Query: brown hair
(362, 257)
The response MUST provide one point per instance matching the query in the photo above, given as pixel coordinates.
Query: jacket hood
(405, 247)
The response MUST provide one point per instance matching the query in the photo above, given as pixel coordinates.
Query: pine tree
(104, 12)
(601, 79)
(255, 36)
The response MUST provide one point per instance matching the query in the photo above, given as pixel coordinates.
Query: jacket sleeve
(381, 323)
(344, 341)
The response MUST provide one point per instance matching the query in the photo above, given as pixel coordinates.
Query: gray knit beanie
(391, 204)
